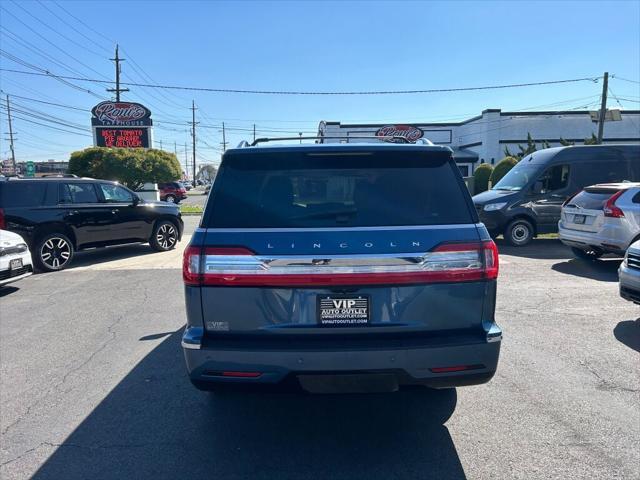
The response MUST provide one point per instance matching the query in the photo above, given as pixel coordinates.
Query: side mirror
(136, 200)
(537, 187)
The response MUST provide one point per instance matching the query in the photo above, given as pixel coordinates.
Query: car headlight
(490, 207)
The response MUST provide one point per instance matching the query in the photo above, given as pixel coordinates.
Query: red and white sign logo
(119, 113)
(411, 134)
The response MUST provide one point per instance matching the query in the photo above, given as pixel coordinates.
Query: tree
(207, 173)
(481, 178)
(593, 140)
(524, 151)
(501, 169)
(130, 166)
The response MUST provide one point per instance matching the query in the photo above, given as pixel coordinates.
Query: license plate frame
(344, 313)
(15, 264)
(579, 219)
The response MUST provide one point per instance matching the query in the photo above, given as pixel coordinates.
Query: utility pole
(603, 106)
(160, 144)
(193, 137)
(224, 139)
(186, 160)
(117, 90)
(13, 153)
(254, 132)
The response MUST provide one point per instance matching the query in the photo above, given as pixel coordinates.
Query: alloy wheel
(167, 236)
(55, 252)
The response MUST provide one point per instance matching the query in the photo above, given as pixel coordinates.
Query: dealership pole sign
(121, 125)
(399, 132)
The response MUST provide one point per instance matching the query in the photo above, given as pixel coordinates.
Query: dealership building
(483, 139)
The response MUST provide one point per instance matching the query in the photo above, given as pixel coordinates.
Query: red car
(172, 192)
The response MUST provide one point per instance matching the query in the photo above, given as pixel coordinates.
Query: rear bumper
(610, 239)
(629, 283)
(411, 364)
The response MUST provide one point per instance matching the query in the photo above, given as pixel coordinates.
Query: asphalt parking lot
(93, 386)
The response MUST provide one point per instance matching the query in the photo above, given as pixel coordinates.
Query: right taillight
(610, 209)
(3, 223)
(239, 266)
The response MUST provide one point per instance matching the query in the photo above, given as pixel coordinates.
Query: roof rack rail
(59, 175)
(351, 137)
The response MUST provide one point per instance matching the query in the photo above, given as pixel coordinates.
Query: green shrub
(481, 178)
(501, 169)
(130, 166)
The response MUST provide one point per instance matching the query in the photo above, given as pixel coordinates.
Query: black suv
(57, 216)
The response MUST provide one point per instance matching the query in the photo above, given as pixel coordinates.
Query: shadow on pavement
(628, 332)
(154, 424)
(109, 254)
(604, 270)
(541, 248)
(8, 290)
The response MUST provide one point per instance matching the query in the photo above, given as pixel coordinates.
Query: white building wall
(488, 134)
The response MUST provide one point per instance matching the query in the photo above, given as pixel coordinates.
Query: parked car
(58, 216)
(601, 219)
(172, 192)
(312, 265)
(629, 274)
(527, 200)
(15, 259)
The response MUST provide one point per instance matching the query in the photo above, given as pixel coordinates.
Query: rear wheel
(53, 252)
(170, 199)
(519, 232)
(588, 254)
(164, 236)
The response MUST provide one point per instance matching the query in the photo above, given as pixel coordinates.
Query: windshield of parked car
(517, 178)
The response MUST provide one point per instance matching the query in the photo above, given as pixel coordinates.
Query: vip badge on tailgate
(343, 310)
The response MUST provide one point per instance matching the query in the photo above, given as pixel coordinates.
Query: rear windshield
(336, 189)
(592, 199)
(22, 194)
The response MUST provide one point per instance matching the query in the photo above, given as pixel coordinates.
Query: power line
(625, 79)
(47, 103)
(46, 73)
(53, 44)
(337, 93)
(57, 32)
(72, 27)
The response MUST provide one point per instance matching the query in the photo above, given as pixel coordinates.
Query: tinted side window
(555, 178)
(23, 194)
(77, 193)
(115, 193)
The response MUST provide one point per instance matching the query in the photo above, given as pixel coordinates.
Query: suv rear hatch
(587, 211)
(341, 240)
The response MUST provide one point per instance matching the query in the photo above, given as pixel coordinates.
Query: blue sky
(332, 46)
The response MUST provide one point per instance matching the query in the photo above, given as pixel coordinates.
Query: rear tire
(53, 252)
(590, 255)
(164, 237)
(170, 199)
(519, 232)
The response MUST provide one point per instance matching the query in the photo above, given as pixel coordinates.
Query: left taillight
(192, 265)
(3, 223)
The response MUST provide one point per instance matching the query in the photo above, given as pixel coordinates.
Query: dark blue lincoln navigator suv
(340, 267)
